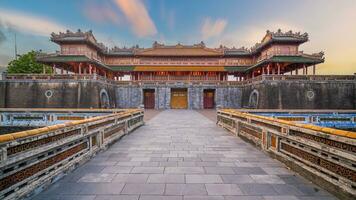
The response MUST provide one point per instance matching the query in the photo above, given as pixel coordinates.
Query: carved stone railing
(260, 78)
(40, 117)
(31, 159)
(50, 76)
(310, 77)
(324, 155)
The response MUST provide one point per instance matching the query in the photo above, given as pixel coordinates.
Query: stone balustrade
(30, 160)
(40, 117)
(326, 156)
(127, 82)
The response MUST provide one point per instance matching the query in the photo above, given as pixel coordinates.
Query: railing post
(237, 128)
(126, 127)
(3, 155)
(90, 138)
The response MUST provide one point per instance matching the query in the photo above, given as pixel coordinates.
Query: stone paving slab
(182, 155)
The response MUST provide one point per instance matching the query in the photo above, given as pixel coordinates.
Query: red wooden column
(314, 69)
(279, 68)
(54, 68)
(306, 70)
(80, 68)
(90, 69)
(273, 69)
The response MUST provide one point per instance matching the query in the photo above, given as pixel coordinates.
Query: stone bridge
(178, 154)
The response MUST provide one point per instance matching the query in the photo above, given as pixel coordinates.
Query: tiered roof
(159, 49)
(199, 49)
(79, 36)
(280, 37)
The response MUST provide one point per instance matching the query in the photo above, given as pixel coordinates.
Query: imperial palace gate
(209, 96)
(149, 98)
(179, 98)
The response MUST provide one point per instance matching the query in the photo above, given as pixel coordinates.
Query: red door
(149, 99)
(209, 99)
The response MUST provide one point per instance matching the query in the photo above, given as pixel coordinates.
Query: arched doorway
(253, 100)
(104, 99)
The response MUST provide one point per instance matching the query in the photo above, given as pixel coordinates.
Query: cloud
(249, 35)
(102, 13)
(2, 37)
(136, 14)
(212, 28)
(28, 24)
(4, 60)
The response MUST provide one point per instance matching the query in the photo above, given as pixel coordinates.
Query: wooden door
(179, 98)
(149, 98)
(208, 100)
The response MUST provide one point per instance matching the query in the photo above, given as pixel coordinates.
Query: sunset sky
(331, 24)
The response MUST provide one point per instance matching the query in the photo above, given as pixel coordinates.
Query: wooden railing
(313, 151)
(31, 159)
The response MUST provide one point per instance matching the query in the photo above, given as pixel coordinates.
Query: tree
(27, 63)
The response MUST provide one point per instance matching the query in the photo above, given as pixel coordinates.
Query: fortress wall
(55, 94)
(2, 93)
(267, 94)
(128, 96)
(301, 94)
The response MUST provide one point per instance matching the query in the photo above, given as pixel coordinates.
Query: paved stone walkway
(180, 154)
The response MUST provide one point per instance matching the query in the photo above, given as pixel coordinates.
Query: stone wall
(132, 96)
(300, 94)
(266, 94)
(55, 94)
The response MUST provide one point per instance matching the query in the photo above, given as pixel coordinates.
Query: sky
(331, 24)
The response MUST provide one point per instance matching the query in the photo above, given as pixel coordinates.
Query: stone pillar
(44, 69)
(90, 69)
(268, 69)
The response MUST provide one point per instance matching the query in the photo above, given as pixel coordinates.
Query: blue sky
(330, 24)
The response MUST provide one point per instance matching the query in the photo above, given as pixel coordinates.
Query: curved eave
(236, 68)
(279, 40)
(70, 58)
(121, 54)
(242, 54)
(79, 40)
(288, 59)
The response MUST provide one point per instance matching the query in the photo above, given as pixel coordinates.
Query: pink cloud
(138, 17)
(212, 28)
(29, 24)
(102, 13)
